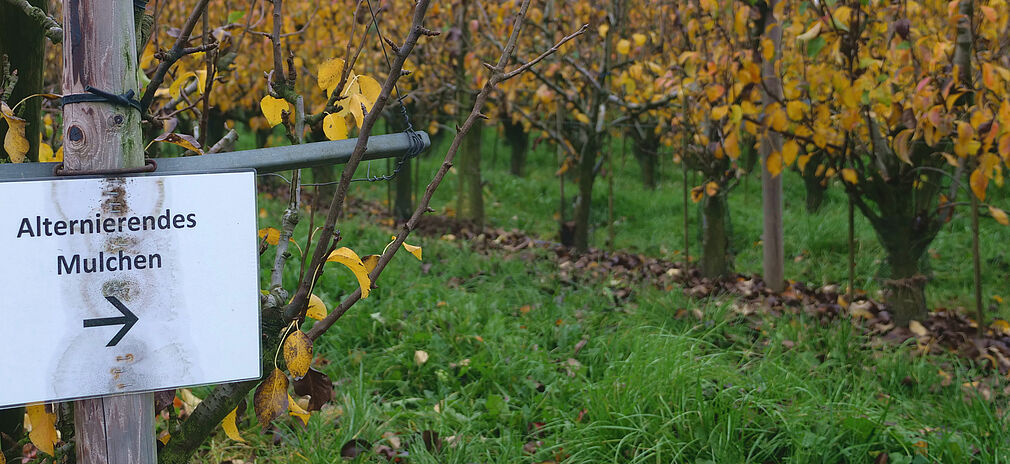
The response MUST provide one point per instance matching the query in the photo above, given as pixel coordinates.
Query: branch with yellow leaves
(498, 75)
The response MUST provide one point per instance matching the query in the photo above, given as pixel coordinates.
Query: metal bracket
(149, 166)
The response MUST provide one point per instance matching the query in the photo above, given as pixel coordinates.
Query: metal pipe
(262, 159)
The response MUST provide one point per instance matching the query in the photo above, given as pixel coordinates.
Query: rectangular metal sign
(127, 284)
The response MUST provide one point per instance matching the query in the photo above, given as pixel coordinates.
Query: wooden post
(100, 51)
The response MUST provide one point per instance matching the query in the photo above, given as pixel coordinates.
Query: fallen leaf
(354, 448)
(420, 357)
(271, 397)
(298, 353)
(917, 328)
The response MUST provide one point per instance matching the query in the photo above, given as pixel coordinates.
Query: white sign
(127, 284)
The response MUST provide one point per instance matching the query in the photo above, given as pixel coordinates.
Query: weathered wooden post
(99, 52)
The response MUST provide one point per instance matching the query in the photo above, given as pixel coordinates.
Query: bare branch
(549, 52)
(496, 77)
(173, 55)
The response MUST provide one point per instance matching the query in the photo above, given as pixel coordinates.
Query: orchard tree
(902, 101)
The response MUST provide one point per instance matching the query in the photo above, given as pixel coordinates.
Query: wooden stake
(100, 51)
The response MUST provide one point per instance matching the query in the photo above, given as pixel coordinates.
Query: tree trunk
(470, 195)
(773, 246)
(519, 141)
(583, 205)
(647, 155)
(403, 205)
(716, 259)
(906, 288)
(22, 40)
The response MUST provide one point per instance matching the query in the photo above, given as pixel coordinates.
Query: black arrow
(127, 319)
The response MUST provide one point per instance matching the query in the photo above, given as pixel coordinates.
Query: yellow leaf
(298, 353)
(711, 189)
(902, 147)
(272, 108)
(271, 235)
(183, 140)
(732, 146)
(317, 309)
(46, 154)
(271, 397)
(697, 193)
(335, 127)
(713, 92)
(15, 142)
(164, 437)
(329, 75)
(354, 106)
(719, 112)
(624, 46)
(43, 434)
(917, 328)
(999, 215)
(790, 150)
(295, 410)
(767, 49)
(229, 426)
(602, 30)
(414, 250)
(777, 119)
(795, 109)
(850, 176)
(370, 262)
(370, 90)
(979, 183)
(175, 90)
(774, 163)
(581, 117)
(349, 258)
(639, 39)
(802, 162)
(811, 33)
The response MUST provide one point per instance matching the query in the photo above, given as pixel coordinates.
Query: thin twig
(173, 55)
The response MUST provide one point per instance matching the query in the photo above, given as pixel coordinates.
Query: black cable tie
(100, 96)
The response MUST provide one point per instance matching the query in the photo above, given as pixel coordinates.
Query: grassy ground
(523, 368)
(651, 222)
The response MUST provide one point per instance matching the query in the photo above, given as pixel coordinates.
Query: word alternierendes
(77, 264)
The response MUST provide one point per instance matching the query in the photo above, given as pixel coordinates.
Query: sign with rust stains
(127, 284)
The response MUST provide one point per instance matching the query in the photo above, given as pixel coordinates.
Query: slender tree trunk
(519, 141)
(771, 186)
(646, 151)
(716, 260)
(24, 44)
(403, 205)
(470, 195)
(583, 205)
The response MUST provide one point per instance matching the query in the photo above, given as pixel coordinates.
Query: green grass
(648, 386)
(653, 383)
(651, 222)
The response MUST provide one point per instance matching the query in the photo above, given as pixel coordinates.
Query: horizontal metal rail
(261, 159)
